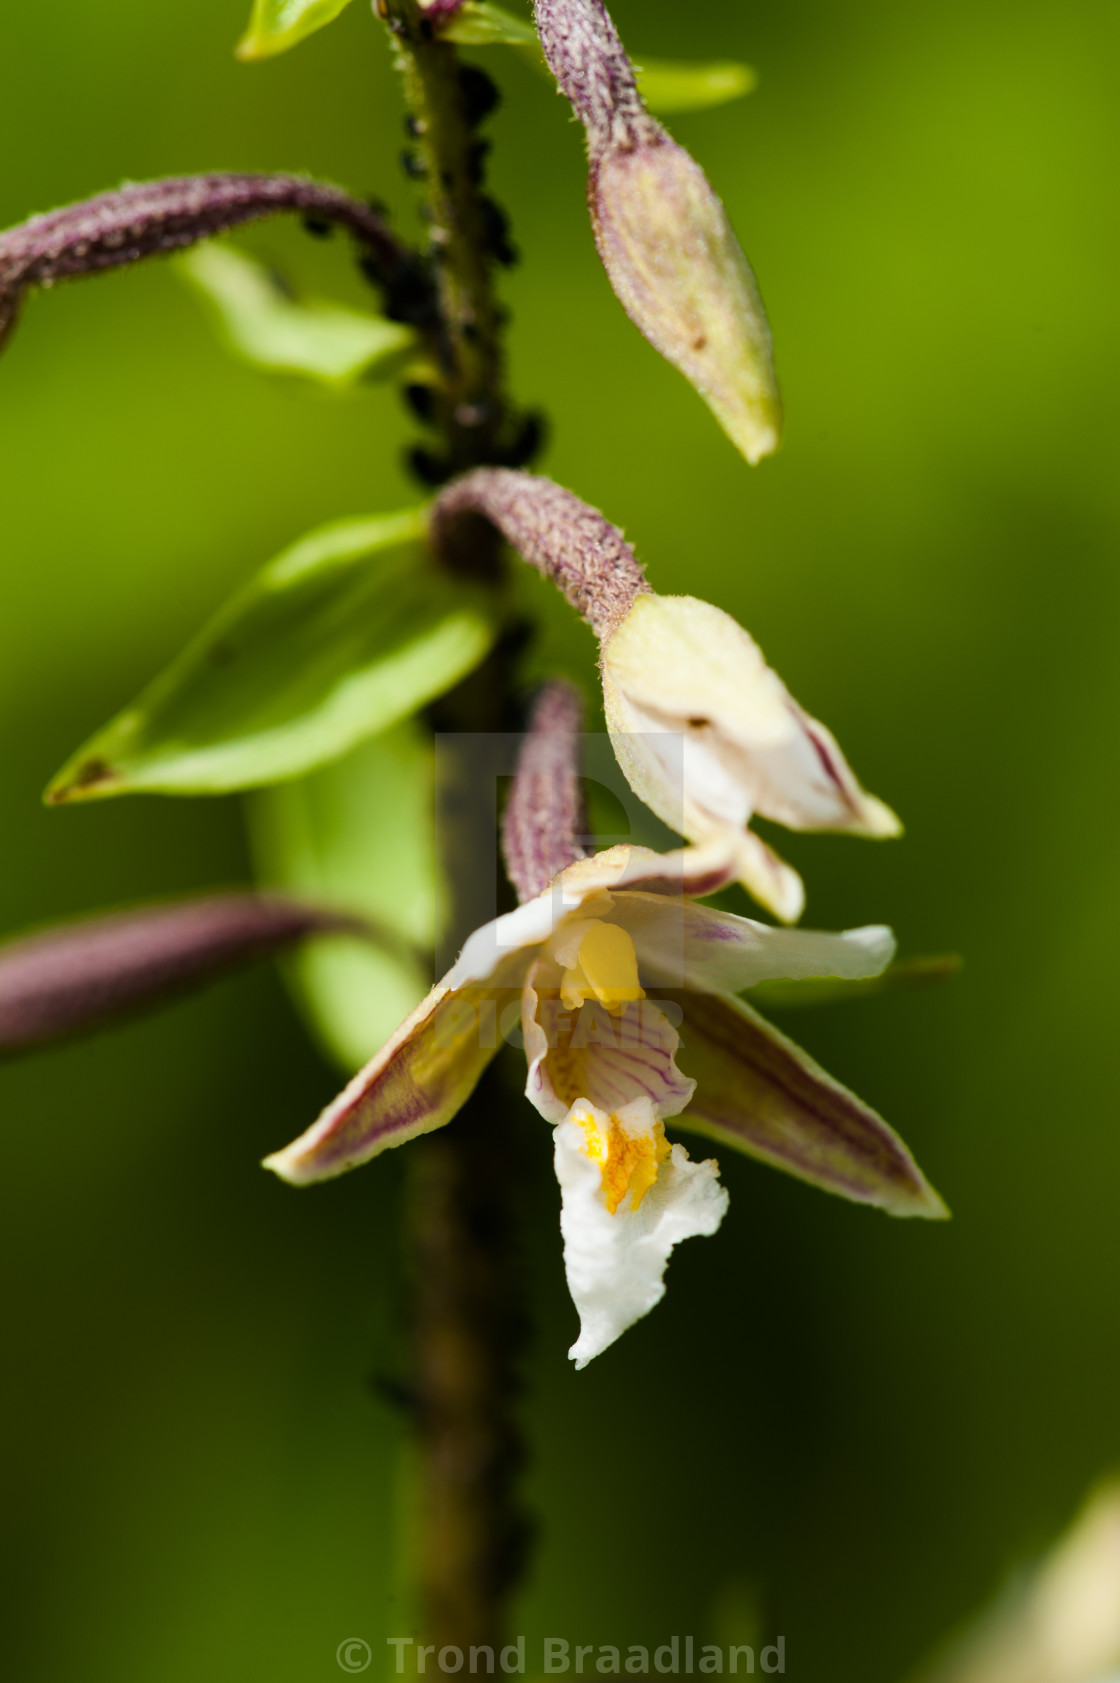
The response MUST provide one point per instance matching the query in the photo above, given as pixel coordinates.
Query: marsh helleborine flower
(705, 732)
(597, 971)
(664, 238)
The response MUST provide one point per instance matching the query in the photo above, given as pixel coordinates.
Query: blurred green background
(856, 1425)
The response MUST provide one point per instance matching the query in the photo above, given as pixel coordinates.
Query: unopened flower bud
(681, 276)
(708, 736)
(62, 981)
(663, 236)
(544, 824)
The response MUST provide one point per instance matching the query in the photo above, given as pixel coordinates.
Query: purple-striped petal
(758, 1092)
(610, 1058)
(689, 871)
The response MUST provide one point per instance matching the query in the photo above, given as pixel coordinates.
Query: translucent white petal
(616, 1264)
(529, 926)
(694, 871)
(766, 876)
(688, 870)
(682, 944)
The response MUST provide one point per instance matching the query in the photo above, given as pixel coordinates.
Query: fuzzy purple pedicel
(571, 543)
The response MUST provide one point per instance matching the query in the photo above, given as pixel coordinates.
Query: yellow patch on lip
(627, 1162)
(606, 969)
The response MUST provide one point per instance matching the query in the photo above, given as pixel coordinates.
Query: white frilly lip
(615, 1264)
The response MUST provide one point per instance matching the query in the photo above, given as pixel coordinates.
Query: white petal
(610, 1058)
(707, 733)
(699, 870)
(681, 944)
(529, 926)
(695, 871)
(766, 876)
(616, 1264)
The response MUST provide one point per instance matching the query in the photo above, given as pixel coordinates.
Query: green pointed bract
(479, 24)
(342, 636)
(666, 84)
(908, 975)
(669, 85)
(277, 25)
(360, 834)
(263, 326)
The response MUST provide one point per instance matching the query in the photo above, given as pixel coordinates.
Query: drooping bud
(707, 735)
(78, 975)
(152, 218)
(663, 236)
(571, 543)
(544, 822)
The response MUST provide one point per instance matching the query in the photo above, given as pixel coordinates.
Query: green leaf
(261, 324)
(360, 835)
(666, 84)
(669, 85)
(277, 25)
(480, 24)
(346, 633)
(908, 975)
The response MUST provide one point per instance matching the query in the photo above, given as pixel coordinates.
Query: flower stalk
(155, 218)
(571, 543)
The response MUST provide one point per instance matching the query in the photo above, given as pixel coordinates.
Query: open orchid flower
(705, 732)
(597, 970)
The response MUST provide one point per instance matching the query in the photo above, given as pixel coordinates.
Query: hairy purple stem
(571, 543)
(545, 819)
(587, 58)
(152, 218)
(76, 976)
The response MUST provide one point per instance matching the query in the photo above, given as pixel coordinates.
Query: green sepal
(669, 85)
(477, 23)
(343, 635)
(360, 834)
(908, 975)
(262, 325)
(277, 25)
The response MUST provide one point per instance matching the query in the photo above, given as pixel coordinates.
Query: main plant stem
(471, 412)
(466, 1315)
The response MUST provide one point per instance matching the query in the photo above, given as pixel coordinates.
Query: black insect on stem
(481, 94)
